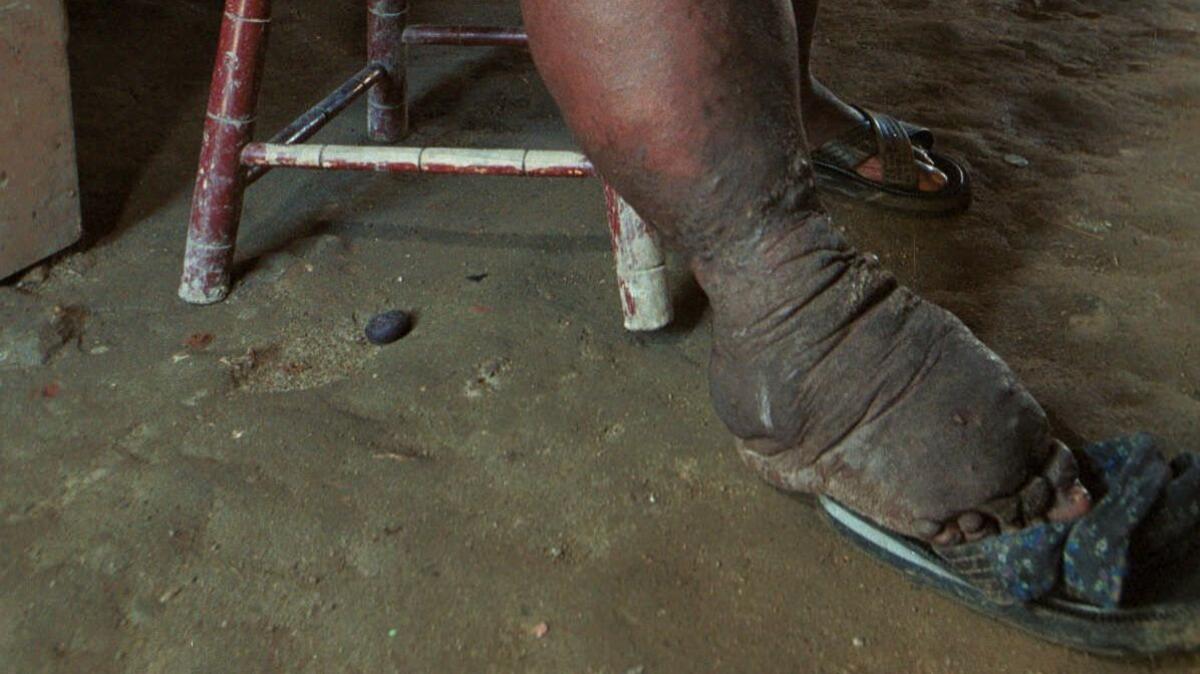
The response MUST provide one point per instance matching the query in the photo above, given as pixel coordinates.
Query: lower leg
(835, 379)
(678, 90)
(827, 116)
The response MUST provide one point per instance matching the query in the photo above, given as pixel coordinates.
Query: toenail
(1062, 469)
(1036, 497)
(951, 536)
(926, 528)
(971, 522)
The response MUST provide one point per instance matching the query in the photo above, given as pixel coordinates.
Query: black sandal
(893, 141)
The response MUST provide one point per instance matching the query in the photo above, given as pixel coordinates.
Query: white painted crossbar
(641, 266)
(444, 160)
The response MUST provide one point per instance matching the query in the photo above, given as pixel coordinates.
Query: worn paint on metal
(641, 267)
(556, 164)
(387, 109)
(437, 160)
(480, 162)
(229, 124)
(307, 125)
(466, 36)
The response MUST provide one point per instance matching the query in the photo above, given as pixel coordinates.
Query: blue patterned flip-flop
(1123, 580)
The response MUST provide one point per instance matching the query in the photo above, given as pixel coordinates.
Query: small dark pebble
(388, 327)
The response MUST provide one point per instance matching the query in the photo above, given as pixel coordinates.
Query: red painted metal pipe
(444, 161)
(307, 125)
(220, 182)
(387, 120)
(466, 36)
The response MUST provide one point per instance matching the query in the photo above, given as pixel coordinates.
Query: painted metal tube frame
(230, 162)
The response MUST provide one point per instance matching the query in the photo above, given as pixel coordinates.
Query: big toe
(931, 178)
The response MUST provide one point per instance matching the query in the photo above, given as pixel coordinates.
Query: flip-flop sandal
(893, 141)
(1154, 612)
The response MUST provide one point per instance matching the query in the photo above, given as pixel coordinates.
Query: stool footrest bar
(465, 36)
(307, 125)
(438, 160)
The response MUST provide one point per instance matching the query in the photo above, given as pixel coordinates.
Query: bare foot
(835, 379)
(839, 381)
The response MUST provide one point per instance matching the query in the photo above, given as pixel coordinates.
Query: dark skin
(834, 378)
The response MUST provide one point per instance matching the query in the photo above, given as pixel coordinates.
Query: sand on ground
(283, 496)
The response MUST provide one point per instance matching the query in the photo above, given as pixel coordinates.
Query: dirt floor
(286, 497)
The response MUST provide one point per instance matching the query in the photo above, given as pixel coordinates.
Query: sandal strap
(850, 148)
(895, 152)
(878, 135)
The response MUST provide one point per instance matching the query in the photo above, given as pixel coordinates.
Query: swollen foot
(839, 381)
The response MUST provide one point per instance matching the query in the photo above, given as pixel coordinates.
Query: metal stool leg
(641, 267)
(220, 181)
(387, 116)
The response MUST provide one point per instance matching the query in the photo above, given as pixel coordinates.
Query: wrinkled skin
(834, 378)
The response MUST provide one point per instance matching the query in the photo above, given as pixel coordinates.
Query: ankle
(776, 300)
(808, 84)
(777, 263)
(824, 114)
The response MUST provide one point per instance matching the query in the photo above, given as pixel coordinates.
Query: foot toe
(976, 526)
(929, 179)
(932, 179)
(1070, 499)
(1062, 470)
(949, 535)
(971, 522)
(1070, 504)
(927, 529)
(1036, 498)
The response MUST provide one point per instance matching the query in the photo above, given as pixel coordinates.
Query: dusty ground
(288, 498)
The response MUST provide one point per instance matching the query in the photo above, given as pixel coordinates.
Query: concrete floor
(286, 497)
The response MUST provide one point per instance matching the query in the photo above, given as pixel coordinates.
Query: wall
(39, 192)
